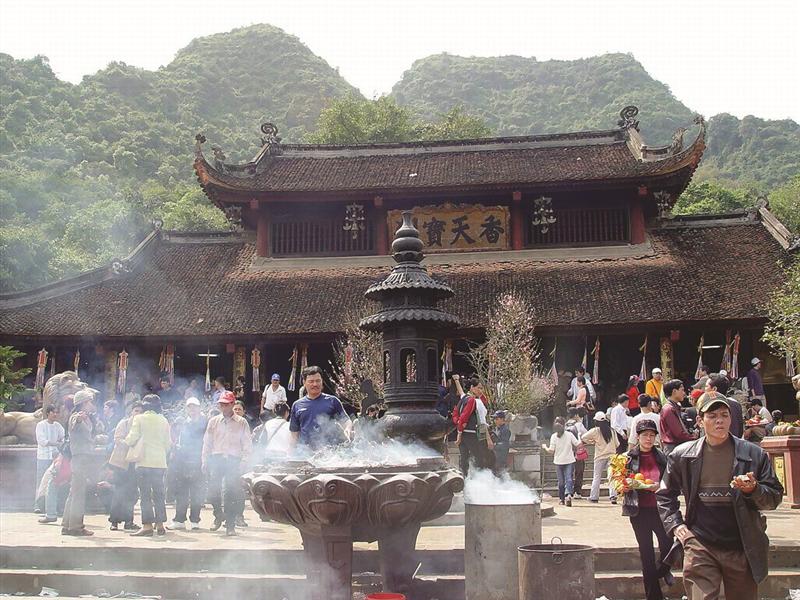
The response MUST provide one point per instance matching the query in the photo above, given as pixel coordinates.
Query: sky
(735, 56)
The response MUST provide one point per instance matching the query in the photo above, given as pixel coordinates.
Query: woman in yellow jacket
(149, 441)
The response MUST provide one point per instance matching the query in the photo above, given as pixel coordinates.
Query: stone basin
(333, 507)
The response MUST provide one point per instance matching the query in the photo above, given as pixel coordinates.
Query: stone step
(616, 585)
(281, 561)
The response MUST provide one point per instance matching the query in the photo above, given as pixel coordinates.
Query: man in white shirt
(273, 395)
(49, 436)
(620, 418)
(573, 386)
(647, 414)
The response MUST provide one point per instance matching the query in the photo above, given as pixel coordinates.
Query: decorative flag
(585, 359)
(41, 365)
(734, 372)
(76, 362)
(166, 363)
(291, 384)
(447, 360)
(726, 355)
(255, 361)
(643, 370)
(553, 369)
(303, 357)
(122, 371)
(208, 369)
(596, 354)
(699, 357)
(790, 370)
(348, 363)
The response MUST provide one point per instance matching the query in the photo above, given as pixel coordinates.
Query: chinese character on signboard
(448, 227)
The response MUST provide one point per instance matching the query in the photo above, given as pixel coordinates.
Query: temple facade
(580, 224)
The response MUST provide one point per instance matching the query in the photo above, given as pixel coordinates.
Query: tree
(708, 197)
(456, 125)
(355, 120)
(508, 362)
(782, 331)
(9, 376)
(784, 202)
(357, 356)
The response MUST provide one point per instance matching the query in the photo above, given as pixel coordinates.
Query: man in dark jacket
(726, 482)
(673, 431)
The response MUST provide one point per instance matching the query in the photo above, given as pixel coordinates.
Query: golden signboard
(449, 227)
(780, 471)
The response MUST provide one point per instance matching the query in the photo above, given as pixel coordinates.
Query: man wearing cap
(81, 445)
(226, 450)
(654, 386)
(726, 482)
(273, 395)
(187, 462)
(673, 431)
(754, 381)
(719, 383)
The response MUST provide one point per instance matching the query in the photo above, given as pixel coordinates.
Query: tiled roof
(496, 162)
(694, 273)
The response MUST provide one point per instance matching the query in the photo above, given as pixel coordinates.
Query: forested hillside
(85, 168)
(517, 96)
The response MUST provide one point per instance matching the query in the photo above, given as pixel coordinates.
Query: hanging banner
(122, 372)
(303, 357)
(166, 362)
(291, 383)
(41, 366)
(53, 364)
(447, 227)
(585, 359)
(734, 372)
(239, 364)
(666, 358)
(208, 370)
(348, 363)
(76, 362)
(553, 369)
(643, 370)
(726, 355)
(699, 357)
(790, 370)
(447, 360)
(596, 354)
(255, 362)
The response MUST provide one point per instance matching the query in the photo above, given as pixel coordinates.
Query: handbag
(136, 452)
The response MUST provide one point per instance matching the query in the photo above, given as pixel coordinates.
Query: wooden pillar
(262, 234)
(517, 222)
(637, 222)
(379, 224)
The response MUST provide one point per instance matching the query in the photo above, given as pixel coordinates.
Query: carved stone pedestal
(784, 452)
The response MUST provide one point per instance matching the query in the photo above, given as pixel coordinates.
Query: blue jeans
(565, 474)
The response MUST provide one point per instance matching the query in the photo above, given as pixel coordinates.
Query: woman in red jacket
(632, 390)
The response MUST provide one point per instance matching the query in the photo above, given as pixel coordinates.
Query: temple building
(580, 224)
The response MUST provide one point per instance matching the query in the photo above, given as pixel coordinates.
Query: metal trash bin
(556, 570)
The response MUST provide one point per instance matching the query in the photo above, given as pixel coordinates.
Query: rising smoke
(484, 487)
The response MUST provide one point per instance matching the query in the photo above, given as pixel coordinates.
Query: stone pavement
(599, 525)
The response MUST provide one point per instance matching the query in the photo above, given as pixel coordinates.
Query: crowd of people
(693, 443)
(159, 447)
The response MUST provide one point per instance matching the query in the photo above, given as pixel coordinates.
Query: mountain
(85, 168)
(517, 96)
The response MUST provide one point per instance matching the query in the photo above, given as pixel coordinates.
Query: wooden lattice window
(583, 227)
(318, 238)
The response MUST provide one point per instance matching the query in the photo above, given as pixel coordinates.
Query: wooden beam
(517, 222)
(637, 222)
(262, 234)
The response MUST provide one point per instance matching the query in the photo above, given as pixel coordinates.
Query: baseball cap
(499, 414)
(709, 400)
(276, 376)
(646, 425)
(227, 397)
(656, 370)
(599, 416)
(755, 360)
(696, 394)
(82, 396)
(192, 401)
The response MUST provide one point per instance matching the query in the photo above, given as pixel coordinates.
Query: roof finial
(271, 139)
(627, 118)
(407, 247)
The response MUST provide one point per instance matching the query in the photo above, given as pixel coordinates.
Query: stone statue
(56, 391)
